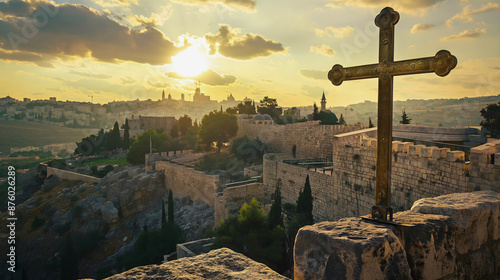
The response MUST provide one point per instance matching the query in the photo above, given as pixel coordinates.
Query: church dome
(267, 117)
(259, 117)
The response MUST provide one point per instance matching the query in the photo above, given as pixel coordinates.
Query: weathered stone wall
(186, 181)
(233, 198)
(417, 172)
(312, 139)
(454, 236)
(72, 176)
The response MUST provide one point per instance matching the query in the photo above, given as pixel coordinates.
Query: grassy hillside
(20, 134)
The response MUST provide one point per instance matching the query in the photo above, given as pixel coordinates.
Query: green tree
(113, 138)
(247, 149)
(404, 118)
(246, 108)
(370, 124)
(141, 146)
(232, 110)
(315, 116)
(294, 150)
(217, 127)
(270, 106)
(185, 123)
(163, 214)
(305, 203)
(250, 235)
(491, 115)
(342, 120)
(126, 135)
(275, 215)
(174, 132)
(170, 207)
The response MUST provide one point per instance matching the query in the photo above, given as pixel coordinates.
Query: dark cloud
(248, 4)
(90, 75)
(408, 6)
(208, 77)
(465, 35)
(75, 30)
(314, 74)
(420, 27)
(229, 44)
(25, 57)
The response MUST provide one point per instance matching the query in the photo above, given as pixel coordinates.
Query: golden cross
(442, 63)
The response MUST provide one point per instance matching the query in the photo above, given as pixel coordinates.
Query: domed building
(262, 119)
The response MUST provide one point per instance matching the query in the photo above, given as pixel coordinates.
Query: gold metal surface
(441, 64)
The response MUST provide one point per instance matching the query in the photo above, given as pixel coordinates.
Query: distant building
(200, 96)
(230, 98)
(262, 119)
(293, 112)
(182, 96)
(52, 99)
(27, 100)
(163, 96)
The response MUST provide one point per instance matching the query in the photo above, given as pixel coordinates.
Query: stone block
(395, 145)
(440, 153)
(497, 159)
(472, 212)
(404, 147)
(415, 150)
(453, 156)
(349, 249)
(427, 151)
(429, 244)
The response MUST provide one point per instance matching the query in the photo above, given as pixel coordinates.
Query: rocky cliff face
(102, 220)
(221, 264)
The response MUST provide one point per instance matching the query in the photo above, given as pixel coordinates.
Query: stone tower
(163, 95)
(323, 102)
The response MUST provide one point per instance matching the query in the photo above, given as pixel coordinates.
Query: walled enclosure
(417, 172)
(69, 175)
(455, 236)
(312, 139)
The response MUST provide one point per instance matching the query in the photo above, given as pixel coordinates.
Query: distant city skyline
(129, 49)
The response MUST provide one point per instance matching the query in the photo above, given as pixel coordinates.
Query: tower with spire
(323, 102)
(163, 96)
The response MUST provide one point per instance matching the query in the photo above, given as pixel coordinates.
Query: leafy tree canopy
(491, 115)
(217, 127)
(270, 106)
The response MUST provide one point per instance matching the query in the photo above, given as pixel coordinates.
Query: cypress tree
(305, 203)
(170, 207)
(163, 214)
(275, 216)
(404, 118)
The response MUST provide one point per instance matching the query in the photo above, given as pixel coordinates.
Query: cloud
(208, 77)
(420, 27)
(467, 13)
(247, 4)
(155, 19)
(229, 44)
(339, 32)
(158, 84)
(314, 74)
(466, 34)
(25, 57)
(114, 3)
(413, 7)
(90, 75)
(67, 30)
(323, 49)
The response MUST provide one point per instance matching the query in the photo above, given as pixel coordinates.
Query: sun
(190, 62)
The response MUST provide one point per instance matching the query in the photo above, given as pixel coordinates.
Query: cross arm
(442, 63)
(338, 74)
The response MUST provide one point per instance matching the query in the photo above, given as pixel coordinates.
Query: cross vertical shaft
(441, 64)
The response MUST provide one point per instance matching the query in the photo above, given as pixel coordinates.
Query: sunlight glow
(190, 62)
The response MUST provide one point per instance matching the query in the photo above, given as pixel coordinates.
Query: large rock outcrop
(455, 236)
(220, 264)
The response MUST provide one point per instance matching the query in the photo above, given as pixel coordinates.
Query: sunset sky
(128, 49)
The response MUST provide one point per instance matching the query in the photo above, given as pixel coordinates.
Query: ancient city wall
(73, 176)
(186, 181)
(455, 236)
(232, 198)
(312, 139)
(417, 172)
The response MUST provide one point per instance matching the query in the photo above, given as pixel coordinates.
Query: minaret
(323, 102)
(163, 96)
